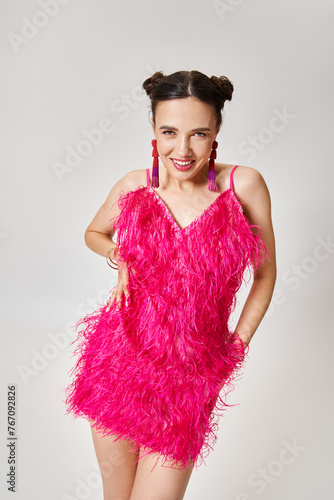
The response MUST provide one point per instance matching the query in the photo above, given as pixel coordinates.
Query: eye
(200, 134)
(167, 132)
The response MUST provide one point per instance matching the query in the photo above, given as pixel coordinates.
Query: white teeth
(183, 163)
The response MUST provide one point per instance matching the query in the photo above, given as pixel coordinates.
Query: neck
(177, 184)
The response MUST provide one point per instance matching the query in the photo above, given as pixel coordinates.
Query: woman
(156, 359)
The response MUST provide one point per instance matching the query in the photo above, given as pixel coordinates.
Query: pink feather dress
(158, 370)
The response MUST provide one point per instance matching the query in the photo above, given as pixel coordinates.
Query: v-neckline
(197, 218)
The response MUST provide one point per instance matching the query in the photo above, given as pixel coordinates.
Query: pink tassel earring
(155, 170)
(212, 174)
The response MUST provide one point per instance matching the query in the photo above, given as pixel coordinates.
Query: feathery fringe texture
(158, 370)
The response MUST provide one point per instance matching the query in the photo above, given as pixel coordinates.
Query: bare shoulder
(105, 217)
(132, 180)
(245, 179)
(129, 182)
(248, 180)
(252, 191)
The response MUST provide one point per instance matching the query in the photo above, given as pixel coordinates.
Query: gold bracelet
(110, 260)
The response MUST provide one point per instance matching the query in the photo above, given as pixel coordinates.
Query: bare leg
(161, 483)
(116, 464)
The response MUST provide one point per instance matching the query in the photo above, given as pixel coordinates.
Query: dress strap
(231, 176)
(148, 176)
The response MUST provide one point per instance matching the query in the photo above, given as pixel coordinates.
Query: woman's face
(185, 130)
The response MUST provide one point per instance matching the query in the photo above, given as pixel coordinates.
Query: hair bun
(152, 81)
(225, 86)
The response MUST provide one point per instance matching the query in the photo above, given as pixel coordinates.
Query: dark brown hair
(182, 84)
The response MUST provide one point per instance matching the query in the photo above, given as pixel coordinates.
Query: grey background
(78, 67)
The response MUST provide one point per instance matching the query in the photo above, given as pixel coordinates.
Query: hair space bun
(224, 85)
(151, 82)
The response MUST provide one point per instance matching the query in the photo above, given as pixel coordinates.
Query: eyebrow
(200, 129)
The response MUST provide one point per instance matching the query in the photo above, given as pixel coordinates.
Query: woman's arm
(252, 191)
(99, 233)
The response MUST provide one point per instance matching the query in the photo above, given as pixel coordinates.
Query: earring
(212, 174)
(155, 170)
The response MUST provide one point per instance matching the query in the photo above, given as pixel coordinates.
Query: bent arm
(99, 234)
(255, 198)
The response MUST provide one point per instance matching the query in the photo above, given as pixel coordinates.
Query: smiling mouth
(182, 163)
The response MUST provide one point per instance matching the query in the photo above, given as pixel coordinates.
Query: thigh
(155, 481)
(117, 465)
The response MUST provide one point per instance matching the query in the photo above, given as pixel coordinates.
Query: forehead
(183, 112)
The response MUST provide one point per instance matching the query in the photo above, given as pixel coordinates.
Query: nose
(183, 147)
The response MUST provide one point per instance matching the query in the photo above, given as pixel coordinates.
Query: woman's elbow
(267, 272)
